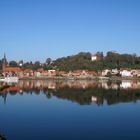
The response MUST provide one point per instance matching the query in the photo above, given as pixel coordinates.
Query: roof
(40, 70)
(93, 73)
(28, 71)
(62, 72)
(13, 69)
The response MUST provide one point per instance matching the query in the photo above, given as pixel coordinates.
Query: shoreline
(97, 78)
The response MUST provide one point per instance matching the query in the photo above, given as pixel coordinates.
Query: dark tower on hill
(4, 63)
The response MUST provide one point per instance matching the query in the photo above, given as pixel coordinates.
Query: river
(70, 110)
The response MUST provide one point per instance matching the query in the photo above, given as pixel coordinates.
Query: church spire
(4, 63)
(4, 56)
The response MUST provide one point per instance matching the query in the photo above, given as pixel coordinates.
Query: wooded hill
(111, 60)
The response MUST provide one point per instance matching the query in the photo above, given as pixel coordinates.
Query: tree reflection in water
(82, 92)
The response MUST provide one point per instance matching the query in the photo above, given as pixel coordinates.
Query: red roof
(40, 70)
(28, 71)
(93, 73)
(13, 69)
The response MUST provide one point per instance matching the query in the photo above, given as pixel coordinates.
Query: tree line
(112, 60)
(82, 61)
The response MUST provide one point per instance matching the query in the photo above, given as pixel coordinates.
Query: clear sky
(37, 29)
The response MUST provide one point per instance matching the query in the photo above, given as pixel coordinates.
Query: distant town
(84, 65)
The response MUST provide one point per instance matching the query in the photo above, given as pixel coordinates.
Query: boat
(12, 79)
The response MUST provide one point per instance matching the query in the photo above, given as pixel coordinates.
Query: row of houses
(11, 71)
(21, 73)
(17, 71)
(122, 72)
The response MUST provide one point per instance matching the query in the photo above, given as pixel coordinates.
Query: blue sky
(37, 29)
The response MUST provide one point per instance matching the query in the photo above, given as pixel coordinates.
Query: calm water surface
(70, 110)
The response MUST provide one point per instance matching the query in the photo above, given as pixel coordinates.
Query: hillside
(78, 61)
(110, 61)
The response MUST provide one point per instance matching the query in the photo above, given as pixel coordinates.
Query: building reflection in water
(80, 91)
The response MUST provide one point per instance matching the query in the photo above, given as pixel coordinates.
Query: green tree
(13, 64)
(48, 61)
(36, 65)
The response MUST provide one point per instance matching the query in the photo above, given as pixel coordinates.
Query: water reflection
(82, 92)
(2, 137)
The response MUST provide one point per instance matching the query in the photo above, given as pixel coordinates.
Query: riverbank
(80, 78)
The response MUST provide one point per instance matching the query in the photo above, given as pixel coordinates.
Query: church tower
(4, 63)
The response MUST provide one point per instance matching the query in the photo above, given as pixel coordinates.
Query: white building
(126, 73)
(93, 57)
(104, 72)
(115, 71)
